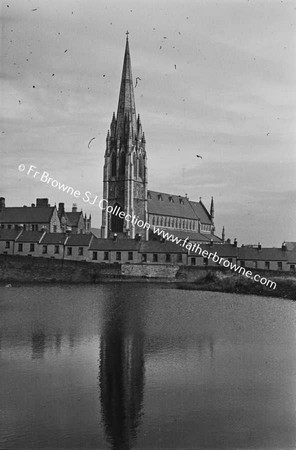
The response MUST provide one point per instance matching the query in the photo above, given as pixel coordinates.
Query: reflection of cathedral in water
(122, 374)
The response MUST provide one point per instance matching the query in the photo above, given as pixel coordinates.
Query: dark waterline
(121, 366)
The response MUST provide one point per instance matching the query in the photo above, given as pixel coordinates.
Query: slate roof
(72, 218)
(118, 245)
(265, 254)
(161, 247)
(177, 206)
(222, 250)
(26, 214)
(291, 257)
(54, 238)
(30, 236)
(79, 240)
(291, 245)
(201, 212)
(9, 235)
(96, 232)
(192, 235)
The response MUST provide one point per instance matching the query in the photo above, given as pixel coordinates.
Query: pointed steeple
(126, 103)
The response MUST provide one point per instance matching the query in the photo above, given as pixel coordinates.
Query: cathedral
(125, 181)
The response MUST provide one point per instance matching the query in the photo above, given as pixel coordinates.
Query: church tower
(125, 168)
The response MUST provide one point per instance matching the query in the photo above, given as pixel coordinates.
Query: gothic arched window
(116, 221)
(141, 167)
(122, 163)
(135, 165)
(113, 165)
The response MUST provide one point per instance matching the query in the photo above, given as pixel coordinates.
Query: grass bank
(285, 288)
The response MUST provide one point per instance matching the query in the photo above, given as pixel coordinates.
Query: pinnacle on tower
(212, 209)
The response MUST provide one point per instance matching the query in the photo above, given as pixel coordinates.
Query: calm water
(134, 366)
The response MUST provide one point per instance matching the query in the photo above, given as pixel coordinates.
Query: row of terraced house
(88, 247)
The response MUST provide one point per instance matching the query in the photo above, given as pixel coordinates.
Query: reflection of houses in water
(204, 344)
(122, 374)
(38, 344)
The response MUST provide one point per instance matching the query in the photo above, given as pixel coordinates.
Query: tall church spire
(125, 169)
(126, 110)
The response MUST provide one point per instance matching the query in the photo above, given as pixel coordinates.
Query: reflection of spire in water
(38, 344)
(122, 375)
(71, 338)
(58, 341)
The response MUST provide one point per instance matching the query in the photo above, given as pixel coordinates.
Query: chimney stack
(235, 242)
(42, 202)
(74, 207)
(61, 209)
(259, 246)
(2, 203)
(284, 246)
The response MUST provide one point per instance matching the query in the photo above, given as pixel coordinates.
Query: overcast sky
(217, 79)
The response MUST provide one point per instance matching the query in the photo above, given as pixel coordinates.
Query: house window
(144, 257)
(280, 265)
(20, 247)
(56, 249)
(9, 227)
(106, 256)
(94, 256)
(242, 263)
(205, 261)
(255, 264)
(44, 249)
(54, 228)
(267, 265)
(80, 251)
(230, 260)
(130, 256)
(118, 256)
(292, 267)
(32, 247)
(193, 261)
(2, 225)
(180, 257)
(155, 257)
(7, 244)
(69, 251)
(168, 257)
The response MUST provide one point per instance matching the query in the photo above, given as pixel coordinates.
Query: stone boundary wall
(28, 269)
